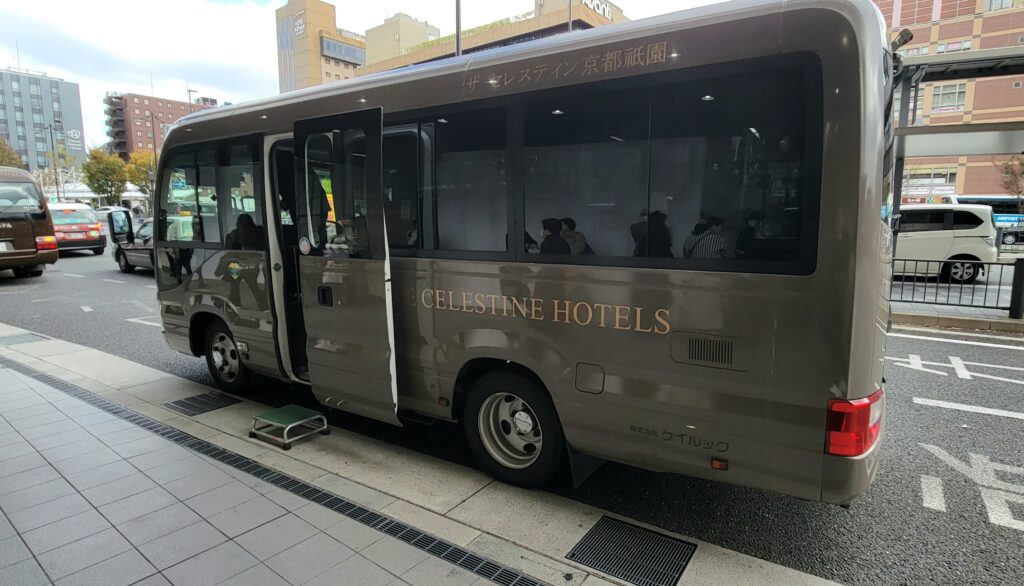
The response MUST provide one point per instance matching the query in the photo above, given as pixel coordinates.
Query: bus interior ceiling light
(557, 112)
(708, 98)
(617, 138)
(442, 120)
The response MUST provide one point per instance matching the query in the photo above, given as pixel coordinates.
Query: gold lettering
(662, 317)
(556, 312)
(621, 316)
(426, 295)
(467, 301)
(451, 301)
(504, 306)
(439, 299)
(639, 319)
(576, 313)
(481, 307)
(602, 307)
(494, 303)
(536, 308)
(520, 305)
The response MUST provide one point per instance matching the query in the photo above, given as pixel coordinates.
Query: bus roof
(258, 116)
(11, 174)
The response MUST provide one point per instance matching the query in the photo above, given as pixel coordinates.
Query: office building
(37, 112)
(311, 49)
(397, 36)
(549, 17)
(139, 123)
(952, 26)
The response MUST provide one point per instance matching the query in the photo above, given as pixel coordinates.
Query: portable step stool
(289, 423)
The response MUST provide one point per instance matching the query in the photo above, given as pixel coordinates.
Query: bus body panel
(628, 389)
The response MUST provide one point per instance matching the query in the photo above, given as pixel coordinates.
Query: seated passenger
(553, 242)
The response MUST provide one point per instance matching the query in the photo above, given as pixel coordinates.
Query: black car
(133, 247)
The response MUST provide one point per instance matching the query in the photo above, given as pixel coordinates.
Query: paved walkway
(88, 498)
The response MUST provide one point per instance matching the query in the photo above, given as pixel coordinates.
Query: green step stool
(287, 424)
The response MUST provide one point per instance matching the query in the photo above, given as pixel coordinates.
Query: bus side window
(401, 188)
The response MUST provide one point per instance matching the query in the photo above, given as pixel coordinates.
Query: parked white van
(948, 234)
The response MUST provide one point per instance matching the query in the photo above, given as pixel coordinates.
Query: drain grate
(421, 540)
(21, 339)
(199, 404)
(634, 554)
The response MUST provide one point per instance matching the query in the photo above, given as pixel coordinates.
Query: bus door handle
(325, 296)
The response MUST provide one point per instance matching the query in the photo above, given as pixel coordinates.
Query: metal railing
(962, 283)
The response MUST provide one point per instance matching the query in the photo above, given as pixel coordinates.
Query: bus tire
(224, 361)
(513, 430)
(33, 271)
(123, 264)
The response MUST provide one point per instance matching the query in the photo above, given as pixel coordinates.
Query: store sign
(74, 139)
(300, 23)
(602, 8)
(1008, 220)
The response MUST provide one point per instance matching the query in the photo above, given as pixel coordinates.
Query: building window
(138, 144)
(916, 51)
(954, 47)
(148, 124)
(145, 102)
(16, 85)
(991, 5)
(147, 112)
(926, 181)
(949, 98)
(182, 108)
(136, 100)
(149, 135)
(150, 145)
(34, 89)
(159, 114)
(327, 75)
(56, 106)
(136, 111)
(160, 103)
(1017, 85)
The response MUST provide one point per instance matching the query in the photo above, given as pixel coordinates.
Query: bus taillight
(853, 425)
(46, 243)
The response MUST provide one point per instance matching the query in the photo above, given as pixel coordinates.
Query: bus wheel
(223, 360)
(33, 271)
(513, 430)
(123, 264)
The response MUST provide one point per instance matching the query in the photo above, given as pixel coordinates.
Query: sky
(224, 49)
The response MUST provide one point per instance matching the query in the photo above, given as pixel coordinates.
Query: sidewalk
(952, 316)
(98, 477)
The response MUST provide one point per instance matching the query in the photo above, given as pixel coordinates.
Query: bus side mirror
(120, 226)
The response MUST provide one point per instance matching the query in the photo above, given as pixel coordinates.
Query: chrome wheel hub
(225, 357)
(509, 430)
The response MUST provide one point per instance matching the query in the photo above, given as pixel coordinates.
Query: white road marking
(75, 275)
(142, 320)
(142, 305)
(970, 408)
(965, 334)
(41, 300)
(960, 368)
(965, 342)
(86, 308)
(914, 362)
(997, 503)
(151, 286)
(931, 493)
(115, 281)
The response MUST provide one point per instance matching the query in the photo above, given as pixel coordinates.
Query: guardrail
(963, 283)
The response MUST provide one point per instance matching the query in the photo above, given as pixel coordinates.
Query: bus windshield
(64, 217)
(19, 197)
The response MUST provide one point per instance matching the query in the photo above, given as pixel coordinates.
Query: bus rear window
(64, 217)
(19, 197)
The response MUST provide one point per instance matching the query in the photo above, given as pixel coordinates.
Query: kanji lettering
(656, 52)
(634, 57)
(612, 61)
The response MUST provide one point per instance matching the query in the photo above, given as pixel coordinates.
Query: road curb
(965, 323)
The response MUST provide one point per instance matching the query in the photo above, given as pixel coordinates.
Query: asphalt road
(946, 507)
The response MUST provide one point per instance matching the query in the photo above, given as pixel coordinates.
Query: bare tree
(1012, 171)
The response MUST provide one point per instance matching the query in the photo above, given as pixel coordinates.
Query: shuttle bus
(664, 243)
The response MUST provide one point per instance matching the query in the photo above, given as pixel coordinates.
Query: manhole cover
(21, 339)
(199, 404)
(634, 554)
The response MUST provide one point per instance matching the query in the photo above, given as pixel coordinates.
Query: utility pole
(152, 172)
(56, 166)
(190, 92)
(458, 27)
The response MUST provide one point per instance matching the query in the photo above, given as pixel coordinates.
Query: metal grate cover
(421, 540)
(634, 554)
(21, 339)
(199, 404)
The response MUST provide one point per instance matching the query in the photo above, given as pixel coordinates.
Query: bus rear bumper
(844, 479)
(30, 258)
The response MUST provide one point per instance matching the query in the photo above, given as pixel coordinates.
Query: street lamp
(56, 167)
(190, 92)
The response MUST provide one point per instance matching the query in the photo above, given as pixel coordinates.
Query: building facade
(549, 17)
(950, 26)
(397, 36)
(311, 49)
(136, 122)
(38, 112)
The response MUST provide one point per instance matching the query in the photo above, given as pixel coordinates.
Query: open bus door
(344, 266)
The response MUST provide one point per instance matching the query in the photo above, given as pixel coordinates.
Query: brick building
(137, 122)
(950, 26)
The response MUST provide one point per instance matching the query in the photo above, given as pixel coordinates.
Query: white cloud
(224, 49)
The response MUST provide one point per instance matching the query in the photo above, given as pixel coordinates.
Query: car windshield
(64, 217)
(19, 197)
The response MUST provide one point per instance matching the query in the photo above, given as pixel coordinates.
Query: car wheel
(98, 251)
(24, 272)
(961, 272)
(224, 360)
(123, 264)
(513, 429)
(1009, 238)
